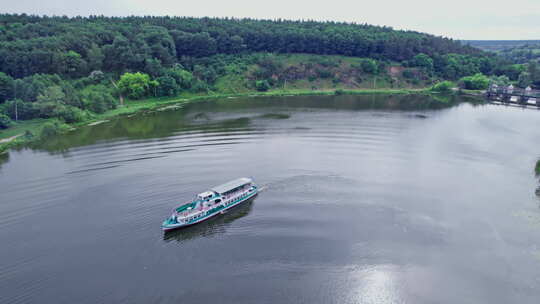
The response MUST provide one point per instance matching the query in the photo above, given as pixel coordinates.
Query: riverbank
(24, 132)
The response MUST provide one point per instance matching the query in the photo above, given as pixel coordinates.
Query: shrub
(268, 66)
(101, 103)
(69, 114)
(200, 86)
(369, 66)
(423, 61)
(49, 129)
(24, 110)
(339, 92)
(28, 134)
(136, 85)
(476, 82)
(502, 80)
(46, 109)
(445, 86)
(5, 121)
(524, 80)
(262, 85)
(98, 99)
(167, 86)
(183, 78)
(52, 128)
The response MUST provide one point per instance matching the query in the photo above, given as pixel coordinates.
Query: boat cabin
(205, 196)
(214, 196)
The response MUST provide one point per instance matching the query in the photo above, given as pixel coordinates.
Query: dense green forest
(76, 46)
(522, 54)
(71, 68)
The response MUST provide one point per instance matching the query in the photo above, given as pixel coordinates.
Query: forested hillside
(75, 47)
(71, 68)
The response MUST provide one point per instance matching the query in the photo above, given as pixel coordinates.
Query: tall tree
(6, 87)
(95, 58)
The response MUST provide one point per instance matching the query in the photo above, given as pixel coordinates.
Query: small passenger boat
(210, 203)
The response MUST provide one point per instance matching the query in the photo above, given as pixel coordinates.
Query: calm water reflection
(370, 199)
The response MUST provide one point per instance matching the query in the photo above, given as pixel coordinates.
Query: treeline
(522, 54)
(74, 47)
(73, 67)
(527, 60)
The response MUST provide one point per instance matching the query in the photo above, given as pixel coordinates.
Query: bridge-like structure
(512, 95)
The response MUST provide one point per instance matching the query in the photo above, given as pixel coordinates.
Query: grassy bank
(23, 132)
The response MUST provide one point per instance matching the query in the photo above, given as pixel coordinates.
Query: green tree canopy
(184, 79)
(5, 121)
(524, 79)
(476, 82)
(369, 66)
(136, 85)
(443, 86)
(6, 87)
(167, 86)
(423, 61)
(262, 85)
(52, 94)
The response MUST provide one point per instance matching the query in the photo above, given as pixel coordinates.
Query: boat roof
(206, 193)
(232, 184)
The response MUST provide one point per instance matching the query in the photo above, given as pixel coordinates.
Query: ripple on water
(361, 205)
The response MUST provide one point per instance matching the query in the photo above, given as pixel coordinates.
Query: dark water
(371, 199)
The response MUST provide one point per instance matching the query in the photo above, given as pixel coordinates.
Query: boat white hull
(170, 227)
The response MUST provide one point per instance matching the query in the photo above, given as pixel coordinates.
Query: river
(369, 199)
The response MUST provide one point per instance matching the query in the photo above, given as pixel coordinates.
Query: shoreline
(29, 131)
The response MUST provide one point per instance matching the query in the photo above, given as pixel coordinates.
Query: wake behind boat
(210, 203)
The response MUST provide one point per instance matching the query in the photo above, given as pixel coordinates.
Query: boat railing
(239, 195)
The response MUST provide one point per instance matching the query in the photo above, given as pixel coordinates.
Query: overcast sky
(459, 19)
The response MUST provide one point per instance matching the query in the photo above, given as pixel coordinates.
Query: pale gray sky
(459, 19)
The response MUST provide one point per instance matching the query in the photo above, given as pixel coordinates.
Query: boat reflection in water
(212, 226)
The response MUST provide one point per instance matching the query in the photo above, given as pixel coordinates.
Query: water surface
(370, 199)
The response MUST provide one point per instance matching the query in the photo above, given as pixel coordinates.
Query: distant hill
(498, 45)
(74, 47)
(523, 53)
